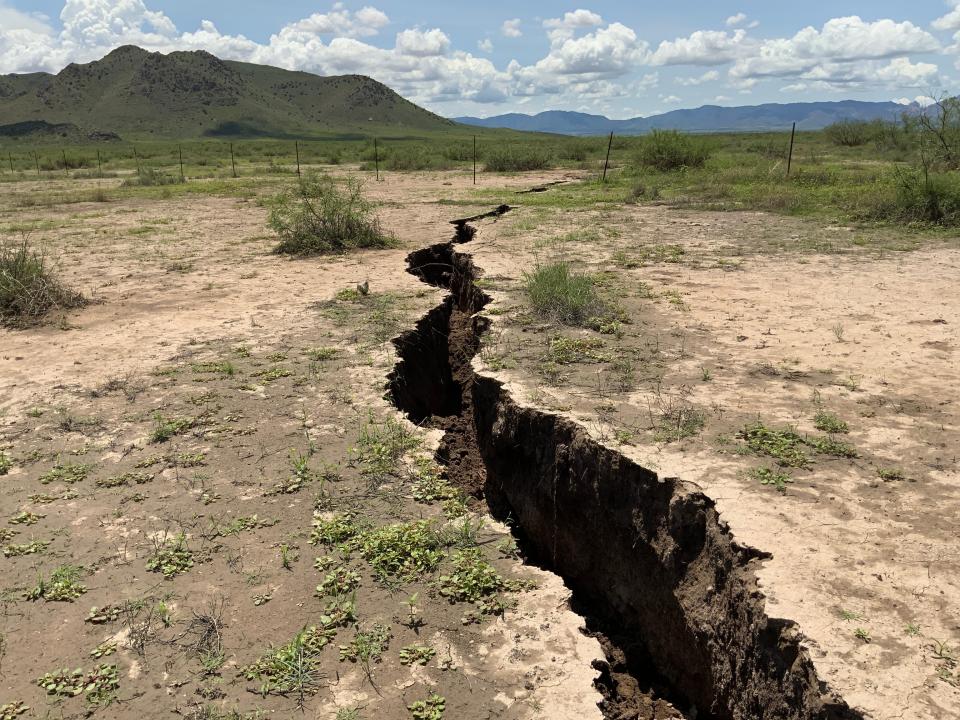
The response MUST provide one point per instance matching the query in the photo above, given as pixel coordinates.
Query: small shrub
(152, 177)
(923, 196)
(853, 133)
(563, 295)
(318, 217)
(667, 150)
(517, 159)
(29, 289)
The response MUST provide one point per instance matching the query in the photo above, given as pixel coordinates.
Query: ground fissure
(664, 586)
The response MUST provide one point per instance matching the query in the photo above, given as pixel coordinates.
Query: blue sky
(614, 58)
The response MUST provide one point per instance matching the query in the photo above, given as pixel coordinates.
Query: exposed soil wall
(648, 558)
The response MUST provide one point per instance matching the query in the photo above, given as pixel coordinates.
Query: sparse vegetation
(29, 287)
(63, 585)
(829, 423)
(563, 295)
(318, 217)
(666, 150)
(171, 556)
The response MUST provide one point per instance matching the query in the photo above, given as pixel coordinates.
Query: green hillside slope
(135, 93)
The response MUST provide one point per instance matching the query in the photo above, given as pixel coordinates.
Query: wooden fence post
(793, 134)
(474, 159)
(376, 157)
(36, 159)
(232, 161)
(136, 157)
(180, 151)
(606, 161)
(64, 162)
(296, 145)
(99, 164)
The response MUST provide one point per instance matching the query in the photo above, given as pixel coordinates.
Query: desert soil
(728, 318)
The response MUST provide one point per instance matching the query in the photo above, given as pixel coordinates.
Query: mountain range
(133, 92)
(709, 118)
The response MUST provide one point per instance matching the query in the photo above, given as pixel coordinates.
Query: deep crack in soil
(663, 585)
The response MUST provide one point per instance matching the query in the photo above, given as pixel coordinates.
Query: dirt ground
(733, 318)
(727, 319)
(181, 449)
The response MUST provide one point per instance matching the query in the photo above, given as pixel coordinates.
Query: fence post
(376, 157)
(793, 134)
(180, 151)
(99, 164)
(232, 161)
(136, 156)
(64, 162)
(36, 159)
(474, 159)
(606, 161)
(296, 145)
(10, 158)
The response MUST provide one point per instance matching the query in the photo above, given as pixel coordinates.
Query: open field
(228, 494)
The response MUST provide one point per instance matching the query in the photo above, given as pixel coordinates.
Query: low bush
(151, 177)
(667, 150)
(29, 289)
(916, 196)
(853, 133)
(318, 217)
(563, 295)
(517, 159)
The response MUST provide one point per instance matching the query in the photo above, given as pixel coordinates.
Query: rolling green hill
(135, 93)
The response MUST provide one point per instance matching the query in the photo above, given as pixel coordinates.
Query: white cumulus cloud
(703, 47)
(422, 44)
(511, 28)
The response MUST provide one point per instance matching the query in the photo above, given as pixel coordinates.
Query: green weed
(430, 709)
(99, 686)
(403, 551)
(63, 586)
(416, 655)
(171, 556)
(166, 428)
(829, 423)
(69, 473)
(778, 480)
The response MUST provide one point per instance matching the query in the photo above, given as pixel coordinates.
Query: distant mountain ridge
(131, 91)
(708, 118)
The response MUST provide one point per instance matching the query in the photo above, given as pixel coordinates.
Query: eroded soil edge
(654, 569)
